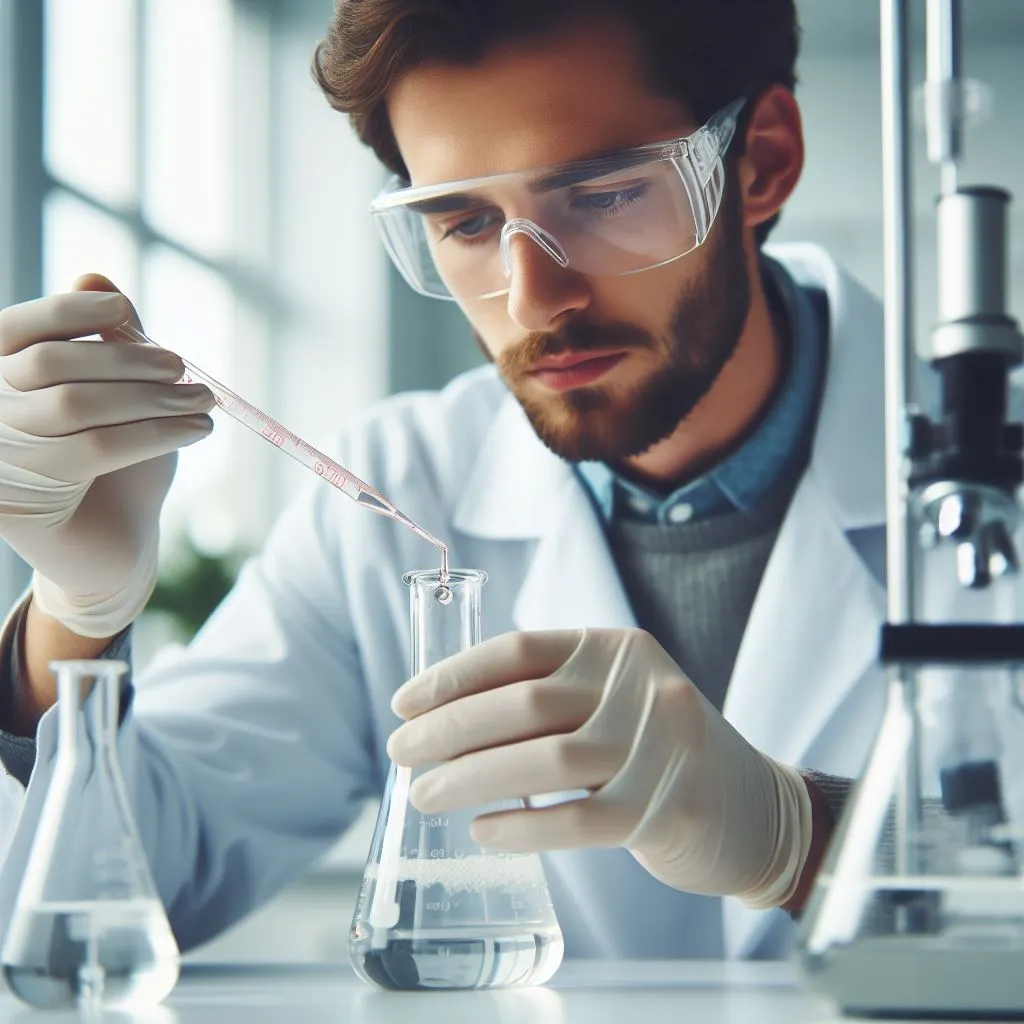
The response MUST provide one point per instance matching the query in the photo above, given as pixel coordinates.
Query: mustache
(578, 338)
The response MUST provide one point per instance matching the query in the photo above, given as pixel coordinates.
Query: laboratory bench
(582, 992)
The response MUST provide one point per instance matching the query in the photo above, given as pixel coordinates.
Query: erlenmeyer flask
(919, 909)
(437, 911)
(88, 927)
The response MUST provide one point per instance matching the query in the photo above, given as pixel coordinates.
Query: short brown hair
(703, 53)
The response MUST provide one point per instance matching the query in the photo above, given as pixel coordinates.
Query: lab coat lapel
(519, 490)
(572, 581)
(812, 632)
(814, 628)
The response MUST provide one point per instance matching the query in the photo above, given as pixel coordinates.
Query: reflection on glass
(191, 310)
(89, 126)
(188, 128)
(78, 239)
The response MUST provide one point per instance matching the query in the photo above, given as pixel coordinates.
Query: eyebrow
(584, 170)
(571, 174)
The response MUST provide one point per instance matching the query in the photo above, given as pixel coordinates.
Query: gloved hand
(88, 435)
(606, 711)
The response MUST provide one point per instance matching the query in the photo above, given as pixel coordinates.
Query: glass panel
(78, 239)
(188, 122)
(191, 310)
(89, 118)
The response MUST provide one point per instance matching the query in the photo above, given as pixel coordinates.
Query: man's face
(604, 367)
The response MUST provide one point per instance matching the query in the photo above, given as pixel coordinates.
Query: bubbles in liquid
(115, 953)
(476, 873)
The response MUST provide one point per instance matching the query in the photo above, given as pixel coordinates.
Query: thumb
(99, 283)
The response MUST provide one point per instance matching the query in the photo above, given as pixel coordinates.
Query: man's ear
(774, 155)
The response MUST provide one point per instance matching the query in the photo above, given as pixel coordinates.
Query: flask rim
(455, 578)
(90, 666)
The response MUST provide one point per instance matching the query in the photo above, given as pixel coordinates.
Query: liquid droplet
(443, 595)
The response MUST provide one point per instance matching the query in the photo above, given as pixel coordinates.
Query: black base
(950, 644)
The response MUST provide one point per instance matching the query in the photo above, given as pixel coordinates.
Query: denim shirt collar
(772, 452)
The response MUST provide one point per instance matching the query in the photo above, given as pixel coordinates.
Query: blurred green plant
(191, 585)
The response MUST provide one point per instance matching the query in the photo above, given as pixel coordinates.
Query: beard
(610, 424)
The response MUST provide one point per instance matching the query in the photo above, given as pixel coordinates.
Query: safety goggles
(613, 215)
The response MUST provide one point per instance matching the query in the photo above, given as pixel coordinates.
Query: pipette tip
(442, 576)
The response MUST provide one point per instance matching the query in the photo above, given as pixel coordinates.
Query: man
(679, 433)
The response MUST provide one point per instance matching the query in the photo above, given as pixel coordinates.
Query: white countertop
(582, 992)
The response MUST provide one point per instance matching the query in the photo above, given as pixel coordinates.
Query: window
(147, 159)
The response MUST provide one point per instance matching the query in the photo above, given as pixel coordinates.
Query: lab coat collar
(847, 459)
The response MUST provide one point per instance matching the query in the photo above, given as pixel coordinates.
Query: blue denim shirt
(769, 455)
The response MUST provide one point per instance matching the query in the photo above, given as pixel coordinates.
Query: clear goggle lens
(616, 215)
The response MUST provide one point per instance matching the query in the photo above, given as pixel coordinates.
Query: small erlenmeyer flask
(437, 911)
(88, 927)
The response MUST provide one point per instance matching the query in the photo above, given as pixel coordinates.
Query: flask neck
(87, 699)
(442, 624)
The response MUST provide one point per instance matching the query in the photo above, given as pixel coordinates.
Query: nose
(540, 290)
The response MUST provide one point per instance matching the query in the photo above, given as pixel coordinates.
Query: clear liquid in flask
(116, 953)
(482, 921)
(88, 927)
(425, 961)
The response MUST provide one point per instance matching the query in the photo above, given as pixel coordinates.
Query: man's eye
(610, 202)
(472, 227)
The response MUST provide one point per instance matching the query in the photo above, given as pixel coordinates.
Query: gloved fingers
(547, 765)
(494, 718)
(49, 363)
(93, 282)
(510, 658)
(575, 824)
(67, 409)
(102, 450)
(65, 316)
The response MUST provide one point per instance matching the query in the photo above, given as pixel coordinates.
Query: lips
(573, 370)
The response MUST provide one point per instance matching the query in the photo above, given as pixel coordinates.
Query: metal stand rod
(899, 366)
(899, 335)
(944, 103)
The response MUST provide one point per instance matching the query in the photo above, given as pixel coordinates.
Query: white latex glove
(606, 711)
(88, 432)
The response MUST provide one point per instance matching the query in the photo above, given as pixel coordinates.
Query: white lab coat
(249, 754)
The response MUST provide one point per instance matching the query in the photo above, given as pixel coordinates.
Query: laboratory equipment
(436, 910)
(88, 927)
(291, 444)
(919, 908)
